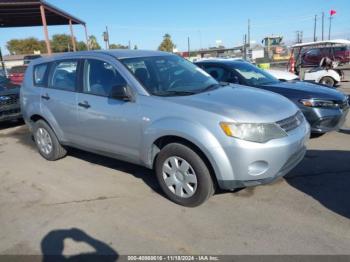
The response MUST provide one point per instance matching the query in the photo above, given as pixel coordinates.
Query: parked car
(28, 58)
(17, 74)
(329, 78)
(282, 75)
(324, 108)
(161, 111)
(313, 56)
(9, 100)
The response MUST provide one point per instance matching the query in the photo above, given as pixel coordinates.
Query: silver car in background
(160, 111)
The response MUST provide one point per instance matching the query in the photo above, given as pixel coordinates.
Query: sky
(144, 22)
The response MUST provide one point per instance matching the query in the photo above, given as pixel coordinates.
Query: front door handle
(46, 97)
(84, 104)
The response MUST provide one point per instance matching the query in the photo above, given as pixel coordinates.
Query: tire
(43, 134)
(328, 81)
(197, 177)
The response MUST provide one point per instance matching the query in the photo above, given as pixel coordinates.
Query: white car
(282, 75)
(322, 76)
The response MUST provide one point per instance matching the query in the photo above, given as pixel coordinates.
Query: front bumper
(260, 163)
(323, 120)
(292, 162)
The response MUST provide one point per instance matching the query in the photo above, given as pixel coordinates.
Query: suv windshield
(253, 75)
(169, 75)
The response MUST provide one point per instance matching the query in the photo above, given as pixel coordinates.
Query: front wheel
(183, 175)
(328, 81)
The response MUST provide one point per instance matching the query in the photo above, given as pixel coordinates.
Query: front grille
(9, 112)
(9, 100)
(344, 104)
(292, 122)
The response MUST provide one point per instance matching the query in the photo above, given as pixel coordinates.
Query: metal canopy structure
(24, 13)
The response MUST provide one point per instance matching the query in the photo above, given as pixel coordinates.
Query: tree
(93, 44)
(81, 46)
(167, 44)
(118, 46)
(61, 43)
(135, 47)
(25, 46)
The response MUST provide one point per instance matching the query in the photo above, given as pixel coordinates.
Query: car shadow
(325, 176)
(147, 175)
(52, 247)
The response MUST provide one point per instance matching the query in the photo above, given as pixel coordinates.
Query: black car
(324, 108)
(9, 100)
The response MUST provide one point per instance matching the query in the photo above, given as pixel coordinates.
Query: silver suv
(160, 111)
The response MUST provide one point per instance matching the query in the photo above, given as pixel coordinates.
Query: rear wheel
(327, 80)
(183, 175)
(47, 142)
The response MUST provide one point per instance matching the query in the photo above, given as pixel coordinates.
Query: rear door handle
(84, 104)
(46, 97)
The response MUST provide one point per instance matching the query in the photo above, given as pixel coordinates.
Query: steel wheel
(179, 177)
(44, 141)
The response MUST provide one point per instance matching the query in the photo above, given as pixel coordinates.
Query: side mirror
(121, 92)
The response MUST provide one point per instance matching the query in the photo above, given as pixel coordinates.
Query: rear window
(39, 74)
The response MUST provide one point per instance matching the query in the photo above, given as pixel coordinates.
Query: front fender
(193, 132)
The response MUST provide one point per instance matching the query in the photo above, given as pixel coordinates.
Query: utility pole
(188, 47)
(330, 27)
(248, 33)
(315, 26)
(322, 26)
(129, 44)
(245, 47)
(106, 38)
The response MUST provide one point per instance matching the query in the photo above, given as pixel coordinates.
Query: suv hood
(302, 90)
(241, 104)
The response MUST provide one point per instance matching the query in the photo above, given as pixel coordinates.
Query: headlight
(260, 133)
(319, 103)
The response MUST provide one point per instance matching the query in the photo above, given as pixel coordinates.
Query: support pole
(72, 35)
(46, 33)
(86, 38)
(2, 62)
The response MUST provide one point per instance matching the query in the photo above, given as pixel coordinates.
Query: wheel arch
(162, 141)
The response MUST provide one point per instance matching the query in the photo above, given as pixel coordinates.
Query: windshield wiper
(214, 86)
(176, 93)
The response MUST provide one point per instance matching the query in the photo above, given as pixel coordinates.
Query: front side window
(216, 72)
(64, 75)
(39, 74)
(169, 75)
(100, 78)
(252, 75)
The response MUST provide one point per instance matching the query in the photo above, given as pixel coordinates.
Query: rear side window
(40, 74)
(64, 75)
